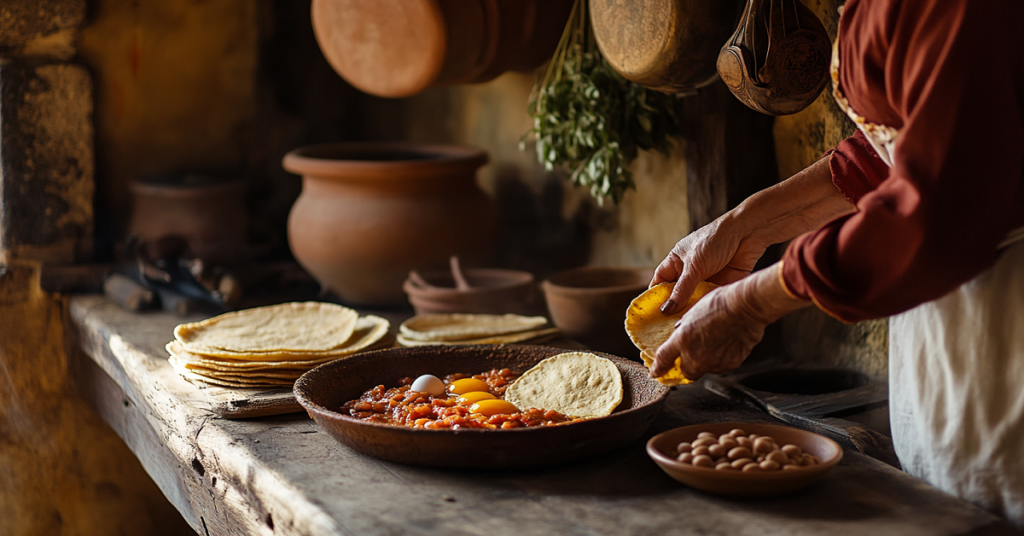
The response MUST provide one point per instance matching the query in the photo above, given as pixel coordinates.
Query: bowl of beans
(744, 459)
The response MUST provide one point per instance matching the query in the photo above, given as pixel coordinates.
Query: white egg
(428, 384)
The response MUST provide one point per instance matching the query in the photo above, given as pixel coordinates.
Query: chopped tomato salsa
(402, 406)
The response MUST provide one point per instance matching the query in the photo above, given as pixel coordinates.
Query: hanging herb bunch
(590, 120)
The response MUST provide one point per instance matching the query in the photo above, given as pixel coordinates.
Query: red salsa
(402, 406)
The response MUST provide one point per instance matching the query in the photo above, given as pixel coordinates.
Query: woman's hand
(725, 250)
(721, 252)
(718, 333)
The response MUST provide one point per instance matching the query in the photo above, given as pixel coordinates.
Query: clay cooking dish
(323, 390)
(661, 448)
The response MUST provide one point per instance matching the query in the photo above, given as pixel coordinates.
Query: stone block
(23, 20)
(46, 162)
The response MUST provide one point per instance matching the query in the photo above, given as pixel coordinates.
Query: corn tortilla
(524, 336)
(459, 326)
(577, 384)
(283, 328)
(370, 332)
(648, 328)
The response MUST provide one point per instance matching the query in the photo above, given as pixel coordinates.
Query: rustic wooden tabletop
(282, 475)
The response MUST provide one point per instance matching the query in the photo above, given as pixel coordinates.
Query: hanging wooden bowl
(776, 62)
(397, 48)
(667, 45)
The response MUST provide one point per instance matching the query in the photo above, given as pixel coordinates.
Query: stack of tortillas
(464, 329)
(272, 346)
(648, 328)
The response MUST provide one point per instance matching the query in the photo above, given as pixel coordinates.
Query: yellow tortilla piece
(459, 326)
(576, 384)
(287, 327)
(648, 328)
(525, 336)
(370, 332)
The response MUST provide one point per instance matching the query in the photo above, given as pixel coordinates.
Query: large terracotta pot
(371, 212)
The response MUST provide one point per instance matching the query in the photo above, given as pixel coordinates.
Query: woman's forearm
(801, 203)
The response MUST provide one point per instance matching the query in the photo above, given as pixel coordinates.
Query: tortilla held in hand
(648, 328)
(576, 384)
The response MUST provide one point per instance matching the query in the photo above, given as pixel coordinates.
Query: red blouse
(949, 75)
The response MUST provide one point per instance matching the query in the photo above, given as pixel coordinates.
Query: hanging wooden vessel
(777, 60)
(667, 45)
(397, 48)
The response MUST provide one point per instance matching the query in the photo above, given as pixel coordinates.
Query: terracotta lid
(668, 45)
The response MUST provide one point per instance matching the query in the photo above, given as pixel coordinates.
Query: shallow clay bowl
(662, 447)
(324, 389)
(589, 304)
(492, 291)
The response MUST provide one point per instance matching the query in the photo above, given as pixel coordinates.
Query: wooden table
(283, 475)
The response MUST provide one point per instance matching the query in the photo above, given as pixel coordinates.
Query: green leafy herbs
(593, 122)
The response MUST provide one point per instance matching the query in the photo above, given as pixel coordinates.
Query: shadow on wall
(534, 235)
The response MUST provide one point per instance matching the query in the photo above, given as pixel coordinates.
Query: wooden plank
(281, 475)
(730, 153)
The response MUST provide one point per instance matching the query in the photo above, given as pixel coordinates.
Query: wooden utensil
(776, 62)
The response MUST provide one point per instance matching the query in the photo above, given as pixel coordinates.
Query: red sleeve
(954, 75)
(856, 167)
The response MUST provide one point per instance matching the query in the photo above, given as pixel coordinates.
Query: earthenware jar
(371, 212)
(208, 211)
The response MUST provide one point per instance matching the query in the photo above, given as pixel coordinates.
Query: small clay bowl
(492, 291)
(589, 304)
(662, 447)
(323, 390)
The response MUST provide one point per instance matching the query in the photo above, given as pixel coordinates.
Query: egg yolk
(467, 385)
(493, 407)
(475, 396)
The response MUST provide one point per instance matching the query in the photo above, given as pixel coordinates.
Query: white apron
(956, 374)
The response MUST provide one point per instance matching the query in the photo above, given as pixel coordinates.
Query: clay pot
(207, 211)
(589, 305)
(667, 45)
(371, 212)
(397, 48)
(490, 291)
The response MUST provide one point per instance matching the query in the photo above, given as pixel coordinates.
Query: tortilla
(248, 383)
(369, 331)
(524, 336)
(648, 328)
(287, 327)
(459, 326)
(215, 370)
(576, 384)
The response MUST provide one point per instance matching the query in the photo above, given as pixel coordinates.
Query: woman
(914, 218)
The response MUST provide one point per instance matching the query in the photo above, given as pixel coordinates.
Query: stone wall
(62, 470)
